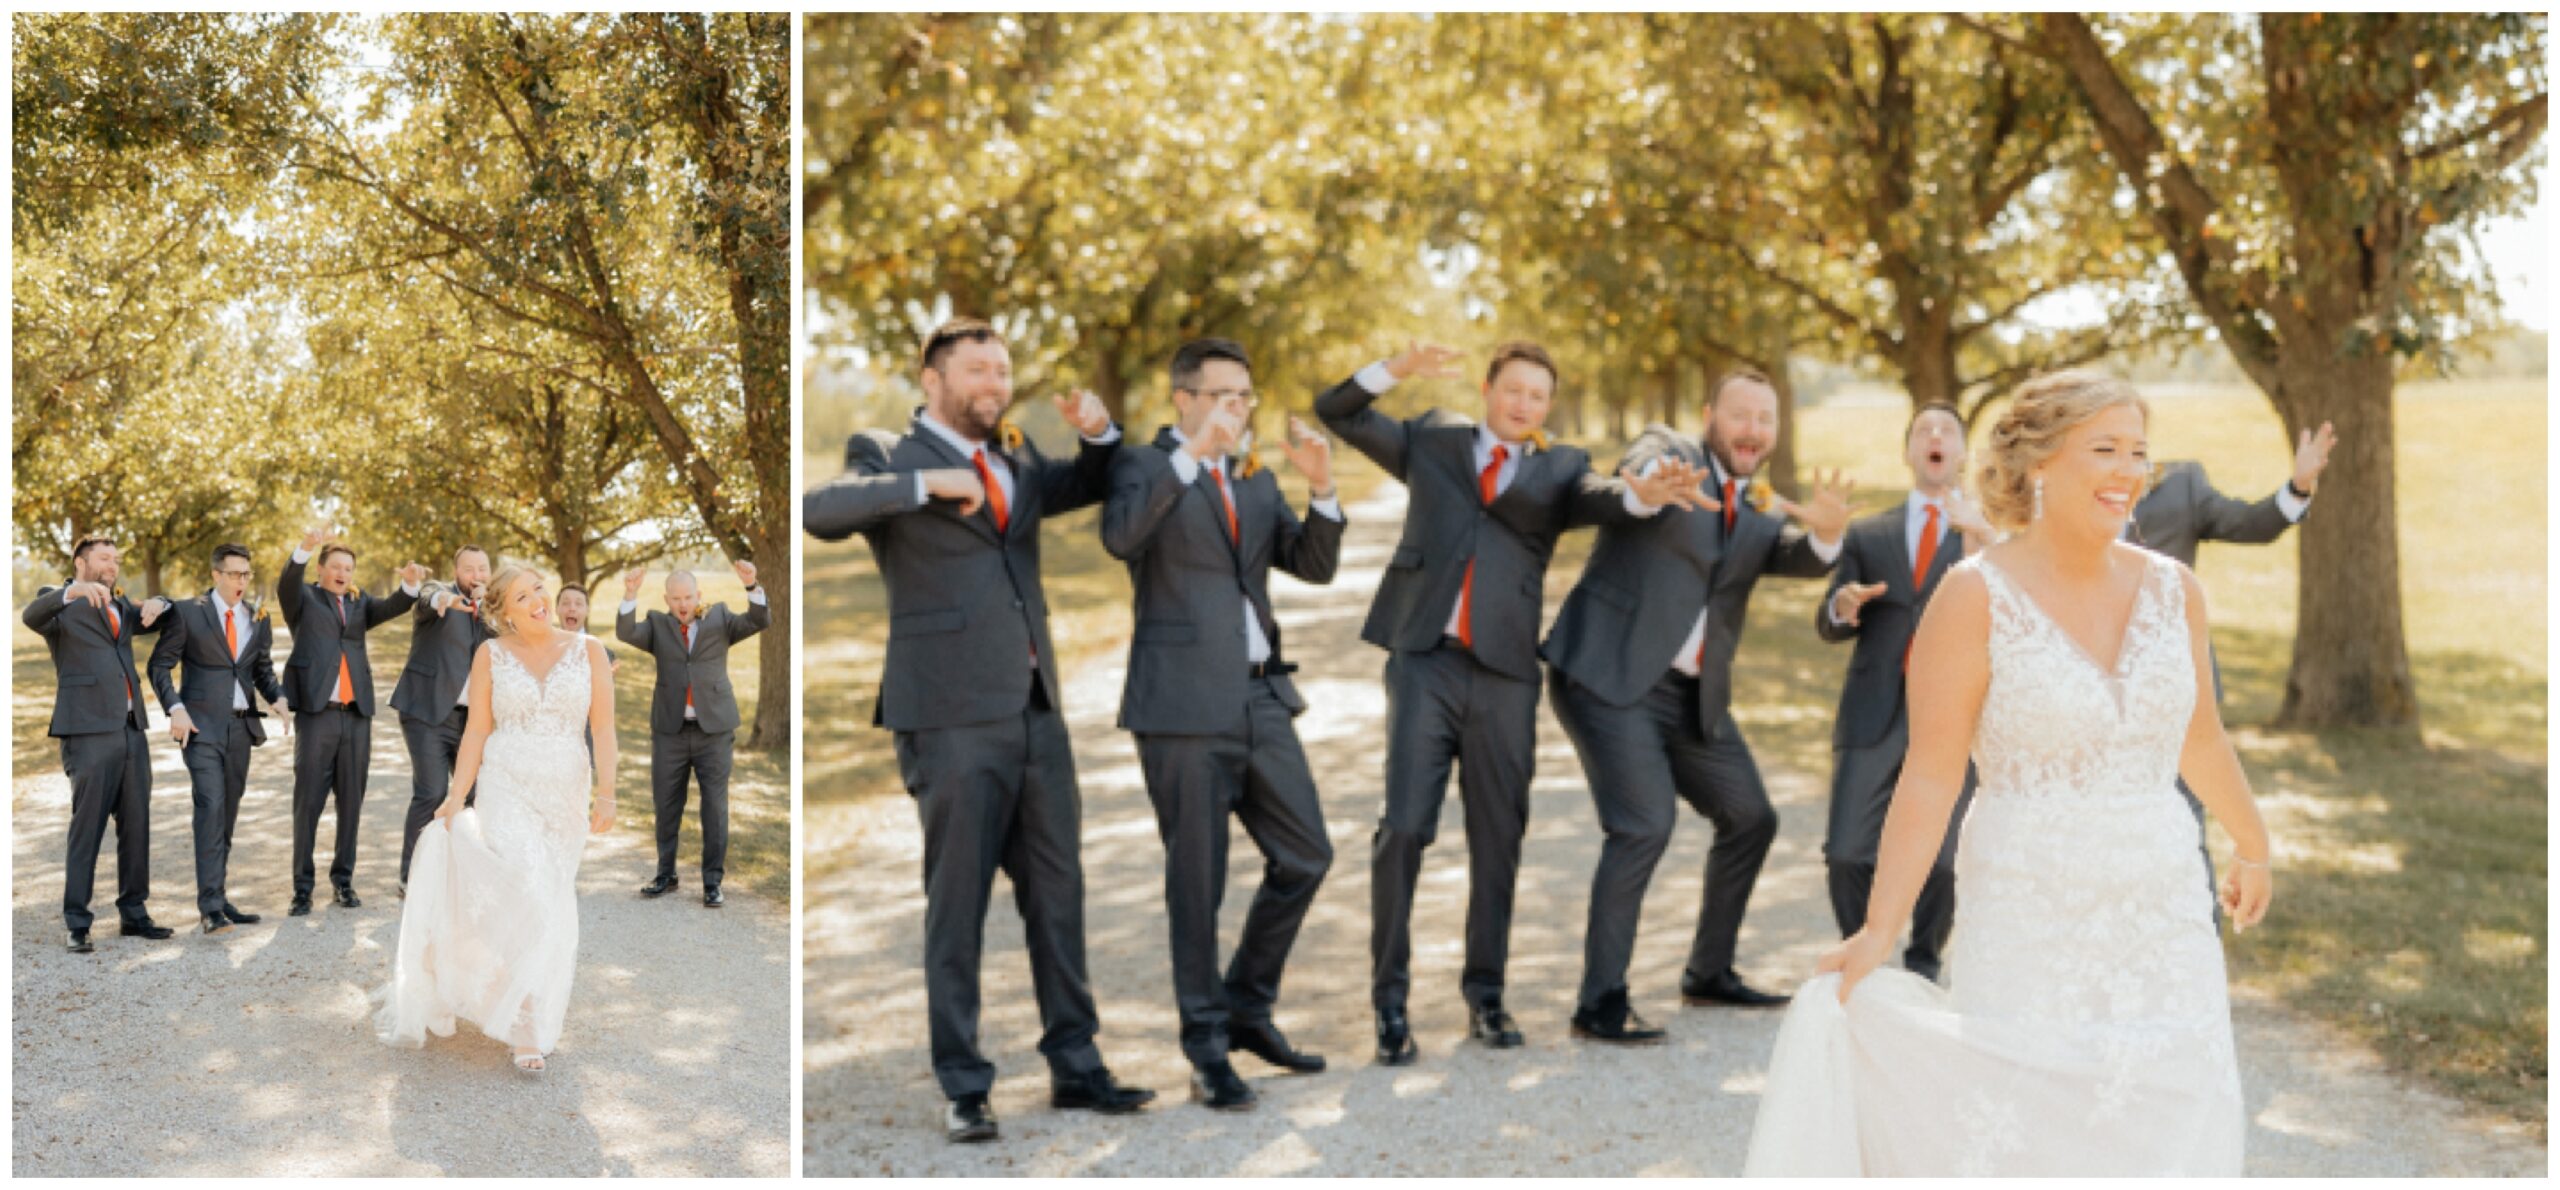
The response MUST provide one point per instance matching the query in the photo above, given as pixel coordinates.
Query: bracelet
(2259, 864)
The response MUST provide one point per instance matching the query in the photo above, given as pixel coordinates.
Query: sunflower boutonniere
(1539, 439)
(1010, 435)
(1248, 465)
(1761, 494)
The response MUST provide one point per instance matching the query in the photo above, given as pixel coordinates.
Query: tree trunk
(773, 649)
(1780, 466)
(2350, 651)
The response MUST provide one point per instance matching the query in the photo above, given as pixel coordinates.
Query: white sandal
(530, 1063)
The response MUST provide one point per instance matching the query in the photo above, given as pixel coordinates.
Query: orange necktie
(115, 629)
(1728, 507)
(1487, 485)
(1920, 561)
(231, 633)
(686, 630)
(1228, 498)
(346, 679)
(995, 492)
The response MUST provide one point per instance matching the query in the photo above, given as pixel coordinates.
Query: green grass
(759, 787)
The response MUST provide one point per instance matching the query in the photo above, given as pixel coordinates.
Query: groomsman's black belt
(244, 714)
(1273, 669)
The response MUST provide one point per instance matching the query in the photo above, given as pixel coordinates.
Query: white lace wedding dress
(489, 933)
(2086, 1026)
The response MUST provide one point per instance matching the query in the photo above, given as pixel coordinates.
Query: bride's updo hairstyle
(2031, 429)
(501, 589)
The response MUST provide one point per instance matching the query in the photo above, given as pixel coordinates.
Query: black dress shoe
(1395, 1039)
(1096, 1091)
(1219, 1087)
(238, 918)
(711, 898)
(1726, 990)
(968, 1122)
(659, 886)
(347, 899)
(79, 943)
(144, 929)
(1262, 1039)
(1489, 1024)
(215, 922)
(1613, 1020)
(1923, 968)
(301, 905)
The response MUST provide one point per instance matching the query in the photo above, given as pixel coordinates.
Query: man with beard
(952, 510)
(433, 695)
(1641, 666)
(1457, 612)
(1888, 569)
(88, 628)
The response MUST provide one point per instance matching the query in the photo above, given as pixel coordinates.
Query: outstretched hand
(631, 580)
(1674, 483)
(1311, 455)
(1851, 597)
(1427, 361)
(746, 572)
(2311, 457)
(1084, 411)
(1826, 516)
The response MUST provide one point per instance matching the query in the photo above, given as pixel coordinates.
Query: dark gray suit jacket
(92, 664)
(2183, 510)
(1640, 593)
(1447, 524)
(705, 667)
(319, 639)
(191, 633)
(1874, 551)
(1187, 669)
(440, 648)
(966, 611)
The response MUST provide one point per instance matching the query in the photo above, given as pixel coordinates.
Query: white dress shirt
(240, 629)
(1257, 648)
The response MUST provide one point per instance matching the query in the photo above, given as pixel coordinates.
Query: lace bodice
(554, 704)
(2055, 725)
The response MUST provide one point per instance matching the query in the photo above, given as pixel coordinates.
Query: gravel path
(252, 1052)
(2318, 1106)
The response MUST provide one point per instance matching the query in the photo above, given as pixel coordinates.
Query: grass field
(759, 789)
(2412, 881)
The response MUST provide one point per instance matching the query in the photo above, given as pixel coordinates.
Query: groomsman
(1210, 701)
(1457, 612)
(693, 713)
(1641, 664)
(88, 627)
(1888, 569)
(433, 695)
(225, 646)
(328, 681)
(952, 509)
(2182, 509)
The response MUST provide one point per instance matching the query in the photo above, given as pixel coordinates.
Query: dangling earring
(2038, 514)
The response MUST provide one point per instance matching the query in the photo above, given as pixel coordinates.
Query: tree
(2312, 175)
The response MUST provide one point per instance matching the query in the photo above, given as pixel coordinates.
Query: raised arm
(600, 730)
(2229, 518)
(378, 612)
(1950, 672)
(1142, 496)
(868, 494)
(1345, 410)
(2212, 769)
(1088, 481)
(759, 613)
(289, 579)
(475, 734)
(1311, 550)
(45, 610)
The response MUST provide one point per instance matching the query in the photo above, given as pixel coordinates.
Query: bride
(2086, 1028)
(489, 933)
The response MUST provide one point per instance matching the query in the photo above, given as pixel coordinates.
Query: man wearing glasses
(225, 646)
(1209, 699)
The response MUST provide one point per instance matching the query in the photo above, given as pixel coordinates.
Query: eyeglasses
(235, 573)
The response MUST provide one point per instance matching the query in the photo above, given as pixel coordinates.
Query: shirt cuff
(1375, 378)
(922, 497)
(301, 556)
(1829, 553)
(2292, 506)
(629, 606)
(756, 597)
(1106, 438)
(1329, 508)
(409, 589)
(1185, 468)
